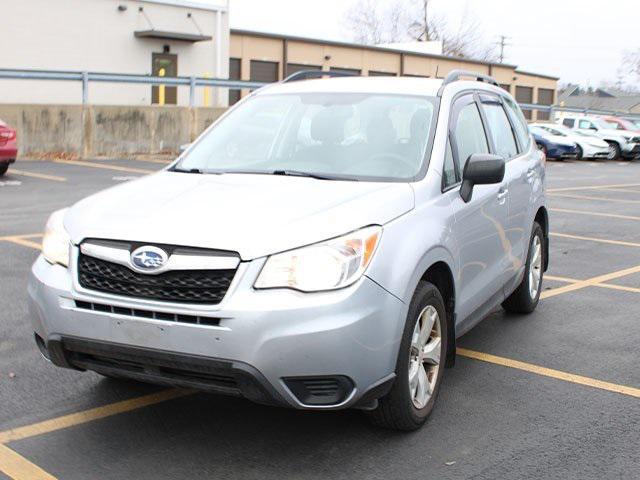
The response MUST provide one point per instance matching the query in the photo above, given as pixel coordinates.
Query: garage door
(545, 97)
(298, 67)
(524, 95)
(264, 71)
(349, 71)
(234, 74)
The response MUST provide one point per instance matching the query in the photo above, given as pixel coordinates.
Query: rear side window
(469, 136)
(519, 123)
(500, 130)
(568, 122)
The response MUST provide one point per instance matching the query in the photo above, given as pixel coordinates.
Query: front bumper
(561, 151)
(259, 345)
(631, 150)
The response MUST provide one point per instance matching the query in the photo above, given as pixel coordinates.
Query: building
(160, 37)
(270, 57)
(609, 99)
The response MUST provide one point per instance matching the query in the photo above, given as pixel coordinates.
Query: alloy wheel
(424, 360)
(535, 267)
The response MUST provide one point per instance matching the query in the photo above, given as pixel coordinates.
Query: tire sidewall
(426, 294)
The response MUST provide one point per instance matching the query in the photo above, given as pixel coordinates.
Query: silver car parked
(321, 246)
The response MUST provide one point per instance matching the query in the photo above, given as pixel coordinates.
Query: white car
(624, 143)
(589, 145)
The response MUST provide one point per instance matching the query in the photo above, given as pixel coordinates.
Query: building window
(235, 73)
(524, 95)
(262, 71)
(348, 71)
(545, 97)
(506, 86)
(299, 67)
(377, 73)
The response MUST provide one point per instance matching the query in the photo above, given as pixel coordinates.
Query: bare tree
(631, 63)
(417, 20)
(372, 24)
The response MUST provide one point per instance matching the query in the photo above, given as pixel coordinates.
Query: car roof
(356, 84)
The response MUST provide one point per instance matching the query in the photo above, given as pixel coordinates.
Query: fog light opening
(42, 347)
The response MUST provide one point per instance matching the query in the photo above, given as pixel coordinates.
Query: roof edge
(541, 75)
(195, 4)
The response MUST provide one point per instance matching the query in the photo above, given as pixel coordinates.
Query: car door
(480, 224)
(519, 171)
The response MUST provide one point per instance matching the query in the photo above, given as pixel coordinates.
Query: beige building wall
(249, 46)
(94, 35)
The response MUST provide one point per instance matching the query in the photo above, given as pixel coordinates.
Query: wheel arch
(440, 275)
(542, 218)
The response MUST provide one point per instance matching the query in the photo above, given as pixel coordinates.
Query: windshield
(332, 135)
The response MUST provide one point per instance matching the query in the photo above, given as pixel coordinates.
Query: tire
(3, 168)
(579, 152)
(525, 298)
(402, 408)
(614, 151)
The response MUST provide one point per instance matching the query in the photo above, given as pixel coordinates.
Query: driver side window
(468, 134)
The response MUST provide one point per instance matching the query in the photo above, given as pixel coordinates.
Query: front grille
(181, 286)
(141, 313)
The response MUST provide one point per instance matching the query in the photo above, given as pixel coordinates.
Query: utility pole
(503, 43)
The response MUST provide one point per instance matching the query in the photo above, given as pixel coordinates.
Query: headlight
(55, 243)
(326, 265)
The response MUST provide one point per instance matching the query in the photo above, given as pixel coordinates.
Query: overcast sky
(580, 41)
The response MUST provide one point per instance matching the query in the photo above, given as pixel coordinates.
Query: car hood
(254, 215)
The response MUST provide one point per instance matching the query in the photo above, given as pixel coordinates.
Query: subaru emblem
(148, 258)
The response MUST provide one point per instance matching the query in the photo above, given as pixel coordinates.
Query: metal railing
(87, 77)
(195, 82)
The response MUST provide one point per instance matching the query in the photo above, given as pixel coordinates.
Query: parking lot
(555, 394)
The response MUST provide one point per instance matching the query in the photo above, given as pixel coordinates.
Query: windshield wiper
(185, 170)
(297, 173)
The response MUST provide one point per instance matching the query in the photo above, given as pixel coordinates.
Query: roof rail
(455, 75)
(306, 74)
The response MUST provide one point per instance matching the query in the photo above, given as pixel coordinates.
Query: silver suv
(319, 247)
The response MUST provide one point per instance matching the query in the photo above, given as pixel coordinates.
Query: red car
(8, 147)
(622, 123)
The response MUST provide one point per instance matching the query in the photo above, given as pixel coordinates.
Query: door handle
(531, 173)
(502, 196)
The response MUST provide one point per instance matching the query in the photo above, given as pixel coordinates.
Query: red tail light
(6, 135)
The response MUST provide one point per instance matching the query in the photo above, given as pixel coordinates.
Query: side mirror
(184, 147)
(593, 128)
(481, 169)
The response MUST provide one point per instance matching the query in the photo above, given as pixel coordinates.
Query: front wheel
(614, 152)
(525, 298)
(420, 364)
(579, 153)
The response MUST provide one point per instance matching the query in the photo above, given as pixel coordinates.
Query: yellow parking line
(117, 168)
(589, 282)
(597, 214)
(79, 418)
(591, 239)
(548, 372)
(611, 286)
(592, 187)
(29, 235)
(24, 173)
(589, 197)
(23, 242)
(625, 190)
(17, 467)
